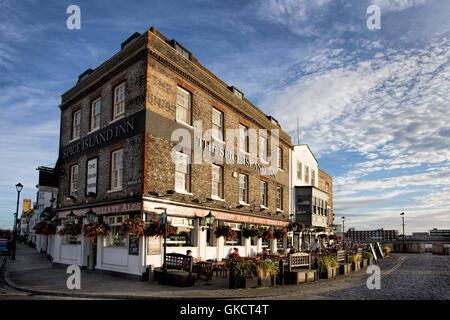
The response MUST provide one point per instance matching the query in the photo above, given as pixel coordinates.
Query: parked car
(4, 249)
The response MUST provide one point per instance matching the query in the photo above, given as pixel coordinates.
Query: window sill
(74, 139)
(218, 140)
(93, 130)
(244, 152)
(184, 124)
(263, 207)
(114, 190)
(184, 192)
(263, 161)
(244, 203)
(217, 198)
(117, 119)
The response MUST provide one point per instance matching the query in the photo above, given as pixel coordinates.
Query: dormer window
(238, 93)
(180, 49)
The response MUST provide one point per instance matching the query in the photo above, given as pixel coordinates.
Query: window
(306, 174)
(183, 106)
(182, 172)
(327, 187)
(238, 93)
(280, 158)
(217, 181)
(95, 114)
(243, 138)
(279, 198)
(119, 100)
(263, 193)
(243, 188)
(217, 124)
(299, 170)
(116, 169)
(313, 177)
(184, 236)
(73, 180)
(70, 239)
(76, 124)
(238, 240)
(116, 237)
(182, 51)
(263, 148)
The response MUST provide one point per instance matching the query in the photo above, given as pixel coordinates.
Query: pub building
(115, 161)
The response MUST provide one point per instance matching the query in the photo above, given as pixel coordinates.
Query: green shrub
(368, 255)
(325, 263)
(354, 258)
(245, 269)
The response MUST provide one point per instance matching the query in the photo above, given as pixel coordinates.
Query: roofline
(304, 144)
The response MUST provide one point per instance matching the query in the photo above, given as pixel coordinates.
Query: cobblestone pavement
(403, 276)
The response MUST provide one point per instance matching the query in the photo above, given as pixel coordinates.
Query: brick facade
(326, 184)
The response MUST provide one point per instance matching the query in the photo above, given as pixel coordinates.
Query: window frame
(245, 200)
(72, 191)
(93, 115)
(76, 128)
(187, 175)
(243, 130)
(264, 156)
(117, 115)
(263, 202)
(218, 128)
(189, 107)
(279, 195)
(280, 158)
(112, 162)
(220, 189)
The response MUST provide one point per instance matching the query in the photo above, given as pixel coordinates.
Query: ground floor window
(279, 245)
(184, 236)
(237, 227)
(69, 239)
(116, 238)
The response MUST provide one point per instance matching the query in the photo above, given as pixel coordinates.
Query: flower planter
(245, 283)
(345, 268)
(356, 266)
(331, 273)
(268, 282)
(364, 263)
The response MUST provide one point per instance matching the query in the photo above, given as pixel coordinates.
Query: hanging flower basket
(268, 235)
(226, 232)
(251, 233)
(135, 226)
(70, 229)
(94, 229)
(298, 226)
(279, 234)
(156, 229)
(44, 228)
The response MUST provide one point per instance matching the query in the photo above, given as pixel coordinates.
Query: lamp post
(210, 222)
(164, 223)
(71, 217)
(403, 223)
(90, 217)
(343, 231)
(19, 188)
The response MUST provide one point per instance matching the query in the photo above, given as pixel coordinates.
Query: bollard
(281, 273)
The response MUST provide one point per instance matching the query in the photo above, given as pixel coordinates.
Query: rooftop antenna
(298, 132)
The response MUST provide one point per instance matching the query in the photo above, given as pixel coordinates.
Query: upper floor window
(243, 188)
(76, 124)
(182, 172)
(280, 158)
(217, 181)
(306, 174)
(119, 100)
(263, 149)
(116, 169)
(95, 114)
(299, 170)
(263, 193)
(183, 106)
(217, 124)
(243, 138)
(313, 177)
(279, 198)
(73, 179)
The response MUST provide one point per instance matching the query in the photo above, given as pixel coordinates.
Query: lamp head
(71, 217)
(19, 187)
(90, 216)
(210, 218)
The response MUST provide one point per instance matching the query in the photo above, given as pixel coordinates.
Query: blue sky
(373, 104)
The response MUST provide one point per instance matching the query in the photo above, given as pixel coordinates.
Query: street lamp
(164, 223)
(210, 223)
(71, 217)
(90, 216)
(343, 231)
(403, 223)
(19, 188)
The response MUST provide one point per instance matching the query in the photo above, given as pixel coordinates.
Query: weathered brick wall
(325, 179)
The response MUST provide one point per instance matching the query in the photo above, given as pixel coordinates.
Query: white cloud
(397, 5)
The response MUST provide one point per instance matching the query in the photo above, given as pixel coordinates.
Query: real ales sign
(91, 180)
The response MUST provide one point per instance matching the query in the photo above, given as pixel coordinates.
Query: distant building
(445, 233)
(379, 235)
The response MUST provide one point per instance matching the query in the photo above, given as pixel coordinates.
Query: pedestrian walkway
(33, 272)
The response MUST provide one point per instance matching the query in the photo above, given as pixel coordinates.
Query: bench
(299, 268)
(179, 271)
